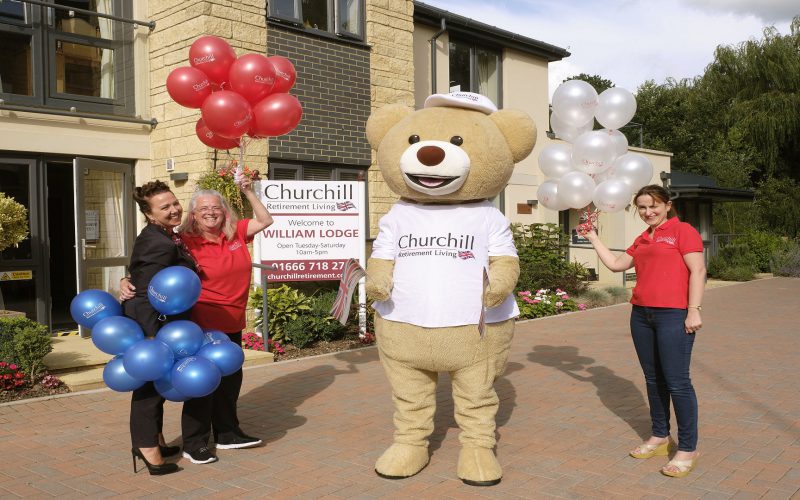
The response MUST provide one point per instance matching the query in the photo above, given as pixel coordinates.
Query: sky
(631, 41)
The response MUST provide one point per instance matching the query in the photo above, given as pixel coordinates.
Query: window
(475, 69)
(310, 172)
(342, 17)
(65, 58)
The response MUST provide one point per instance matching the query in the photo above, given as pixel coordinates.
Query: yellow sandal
(682, 467)
(645, 450)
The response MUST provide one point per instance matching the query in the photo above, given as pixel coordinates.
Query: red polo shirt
(225, 270)
(662, 278)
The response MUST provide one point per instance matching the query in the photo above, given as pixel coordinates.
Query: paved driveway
(572, 404)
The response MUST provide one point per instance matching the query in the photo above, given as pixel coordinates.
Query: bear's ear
(382, 120)
(518, 129)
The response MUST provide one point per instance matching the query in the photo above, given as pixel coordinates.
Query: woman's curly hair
(143, 193)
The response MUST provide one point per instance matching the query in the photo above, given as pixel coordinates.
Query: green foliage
(595, 297)
(296, 318)
(26, 343)
(734, 262)
(285, 305)
(762, 246)
(13, 222)
(598, 82)
(542, 250)
(786, 261)
(778, 205)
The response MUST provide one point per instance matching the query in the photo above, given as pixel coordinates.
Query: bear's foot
(400, 461)
(479, 467)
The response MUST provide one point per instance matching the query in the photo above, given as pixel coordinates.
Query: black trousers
(147, 416)
(216, 411)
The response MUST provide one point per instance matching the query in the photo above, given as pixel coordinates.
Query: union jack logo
(466, 254)
(345, 206)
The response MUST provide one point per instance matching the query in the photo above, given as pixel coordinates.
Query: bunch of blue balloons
(183, 360)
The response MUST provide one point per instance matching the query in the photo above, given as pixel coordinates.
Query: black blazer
(153, 250)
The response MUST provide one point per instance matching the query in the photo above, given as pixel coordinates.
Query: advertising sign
(318, 226)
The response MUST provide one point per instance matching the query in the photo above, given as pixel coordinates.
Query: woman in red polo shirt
(218, 242)
(670, 278)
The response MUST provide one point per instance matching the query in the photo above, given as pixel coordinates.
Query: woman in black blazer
(156, 248)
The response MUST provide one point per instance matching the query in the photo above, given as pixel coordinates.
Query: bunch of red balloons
(236, 96)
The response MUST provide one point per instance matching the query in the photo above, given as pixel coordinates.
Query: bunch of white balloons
(596, 167)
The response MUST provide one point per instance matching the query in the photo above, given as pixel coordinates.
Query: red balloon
(276, 114)
(227, 114)
(252, 76)
(213, 56)
(211, 139)
(285, 74)
(188, 86)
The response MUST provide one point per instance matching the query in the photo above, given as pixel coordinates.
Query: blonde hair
(189, 225)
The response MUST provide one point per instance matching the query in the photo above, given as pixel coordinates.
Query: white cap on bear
(469, 100)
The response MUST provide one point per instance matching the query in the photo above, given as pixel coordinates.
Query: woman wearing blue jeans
(670, 277)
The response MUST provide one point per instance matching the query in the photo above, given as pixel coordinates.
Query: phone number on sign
(305, 270)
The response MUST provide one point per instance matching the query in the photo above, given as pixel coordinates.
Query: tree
(598, 82)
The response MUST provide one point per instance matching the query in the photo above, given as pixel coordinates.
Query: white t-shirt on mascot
(440, 252)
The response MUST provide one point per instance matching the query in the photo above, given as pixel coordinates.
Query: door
(103, 229)
(22, 273)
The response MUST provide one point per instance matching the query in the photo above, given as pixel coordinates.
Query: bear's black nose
(430, 156)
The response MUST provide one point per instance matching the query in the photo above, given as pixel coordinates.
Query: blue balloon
(215, 335)
(182, 336)
(115, 334)
(90, 306)
(174, 290)
(167, 390)
(195, 377)
(148, 359)
(227, 356)
(117, 379)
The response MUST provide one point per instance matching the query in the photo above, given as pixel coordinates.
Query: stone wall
(390, 28)
(179, 23)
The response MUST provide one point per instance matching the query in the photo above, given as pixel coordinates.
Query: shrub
(762, 245)
(300, 332)
(618, 293)
(542, 250)
(594, 297)
(285, 305)
(13, 222)
(544, 303)
(786, 261)
(26, 343)
(254, 342)
(734, 262)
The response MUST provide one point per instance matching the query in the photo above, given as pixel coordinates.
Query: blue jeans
(665, 350)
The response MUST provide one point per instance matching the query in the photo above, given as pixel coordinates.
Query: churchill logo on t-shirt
(235, 246)
(667, 239)
(449, 245)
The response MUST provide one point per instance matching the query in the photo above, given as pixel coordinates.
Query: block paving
(572, 404)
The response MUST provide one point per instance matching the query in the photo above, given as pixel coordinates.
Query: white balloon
(620, 141)
(567, 132)
(555, 160)
(633, 169)
(612, 195)
(616, 108)
(547, 194)
(575, 189)
(593, 152)
(575, 101)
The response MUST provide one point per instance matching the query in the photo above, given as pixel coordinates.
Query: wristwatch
(699, 308)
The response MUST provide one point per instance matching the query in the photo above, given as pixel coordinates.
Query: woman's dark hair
(142, 194)
(659, 194)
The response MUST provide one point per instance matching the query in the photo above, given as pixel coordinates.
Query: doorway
(81, 230)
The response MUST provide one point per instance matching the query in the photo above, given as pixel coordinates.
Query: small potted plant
(13, 229)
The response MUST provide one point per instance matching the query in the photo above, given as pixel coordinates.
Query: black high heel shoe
(154, 470)
(168, 451)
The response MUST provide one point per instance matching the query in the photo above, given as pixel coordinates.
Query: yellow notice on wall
(16, 275)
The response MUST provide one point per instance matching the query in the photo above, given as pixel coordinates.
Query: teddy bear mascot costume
(443, 270)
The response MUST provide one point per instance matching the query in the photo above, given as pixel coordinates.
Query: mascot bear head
(458, 148)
